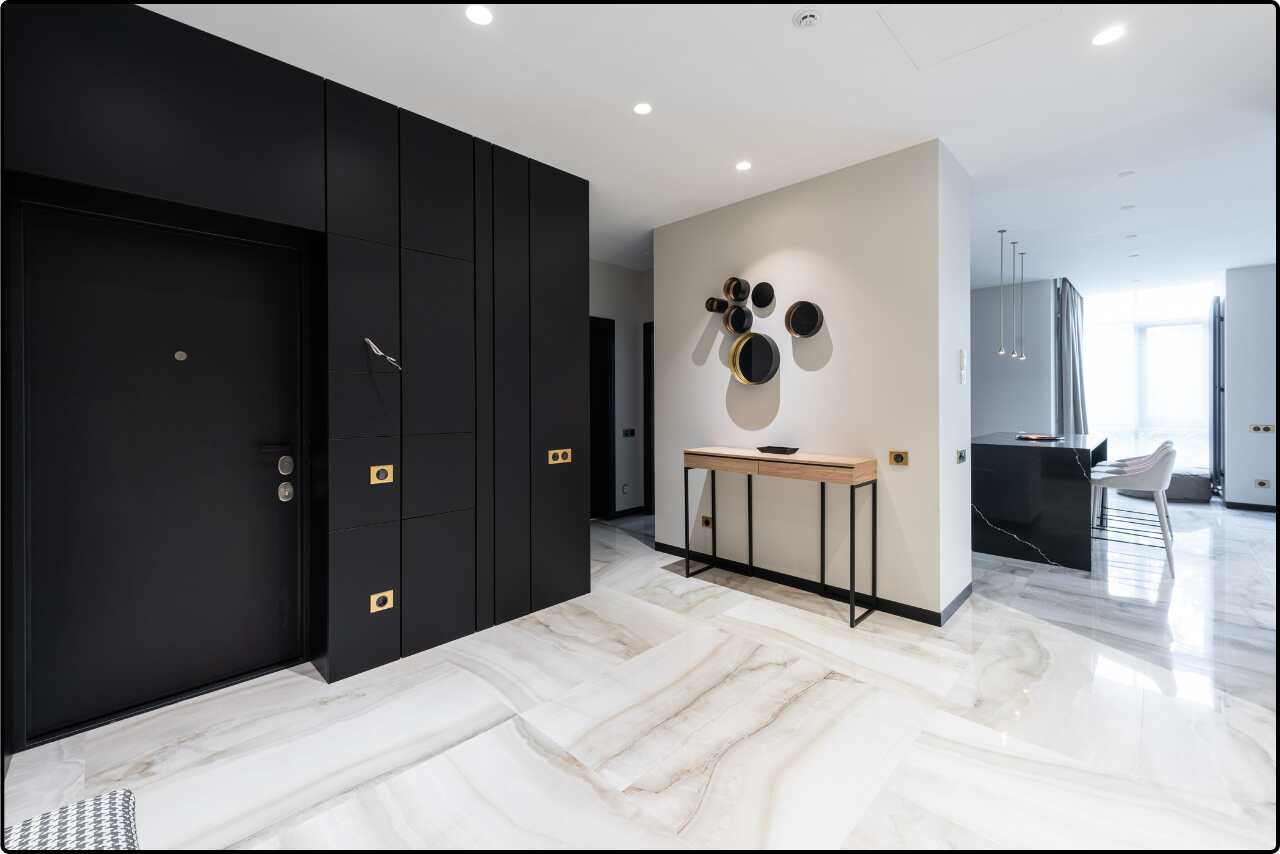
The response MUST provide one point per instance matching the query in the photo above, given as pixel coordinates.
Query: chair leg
(1162, 508)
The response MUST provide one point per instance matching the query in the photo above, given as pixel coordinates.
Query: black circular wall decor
(762, 295)
(716, 305)
(736, 290)
(754, 359)
(804, 319)
(737, 318)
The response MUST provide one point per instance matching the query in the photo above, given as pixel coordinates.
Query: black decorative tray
(776, 449)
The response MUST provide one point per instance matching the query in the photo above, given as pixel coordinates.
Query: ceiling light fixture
(1127, 207)
(1125, 174)
(642, 109)
(742, 165)
(1135, 255)
(1115, 32)
(479, 15)
(806, 18)
(1130, 236)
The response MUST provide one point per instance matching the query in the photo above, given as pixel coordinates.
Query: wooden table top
(831, 468)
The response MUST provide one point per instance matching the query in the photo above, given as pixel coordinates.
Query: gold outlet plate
(382, 475)
(899, 458)
(388, 601)
(559, 456)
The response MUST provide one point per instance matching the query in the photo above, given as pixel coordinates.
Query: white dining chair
(1152, 476)
(1129, 462)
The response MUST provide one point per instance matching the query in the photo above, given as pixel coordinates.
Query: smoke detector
(806, 18)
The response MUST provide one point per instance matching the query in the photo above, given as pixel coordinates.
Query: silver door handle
(377, 351)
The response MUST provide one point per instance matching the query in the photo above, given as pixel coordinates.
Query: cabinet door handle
(377, 351)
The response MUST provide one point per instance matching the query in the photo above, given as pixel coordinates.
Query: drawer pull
(382, 475)
(384, 601)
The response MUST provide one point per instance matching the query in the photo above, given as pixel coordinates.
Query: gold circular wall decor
(754, 359)
(736, 290)
(804, 319)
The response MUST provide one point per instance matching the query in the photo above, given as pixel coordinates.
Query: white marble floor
(1055, 709)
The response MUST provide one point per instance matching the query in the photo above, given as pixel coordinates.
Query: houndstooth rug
(104, 823)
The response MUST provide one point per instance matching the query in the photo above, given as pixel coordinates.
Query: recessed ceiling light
(806, 18)
(1134, 255)
(1125, 174)
(642, 109)
(1115, 32)
(1127, 207)
(742, 165)
(479, 15)
(1130, 236)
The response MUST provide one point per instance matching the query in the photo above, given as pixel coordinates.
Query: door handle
(377, 351)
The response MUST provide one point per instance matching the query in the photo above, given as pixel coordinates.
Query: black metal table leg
(822, 537)
(714, 556)
(750, 532)
(686, 521)
(853, 596)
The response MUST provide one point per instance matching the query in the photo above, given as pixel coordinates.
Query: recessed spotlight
(1125, 174)
(1127, 207)
(642, 109)
(1130, 236)
(742, 165)
(479, 15)
(1115, 32)
(806, 18)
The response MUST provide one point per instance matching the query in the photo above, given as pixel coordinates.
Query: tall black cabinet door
(364, 302)
(116, 96)
(437, 200)
(558, 321)
(362, 171)
(511, 567)
(437, 316)
(439, 580)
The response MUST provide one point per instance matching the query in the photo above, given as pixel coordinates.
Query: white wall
(626, 296)
(1008, 394)
(1250, 381)
(882, 247)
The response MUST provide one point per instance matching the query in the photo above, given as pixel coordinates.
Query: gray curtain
(1072, 417)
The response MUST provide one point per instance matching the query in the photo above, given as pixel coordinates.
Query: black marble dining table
(1031, 500)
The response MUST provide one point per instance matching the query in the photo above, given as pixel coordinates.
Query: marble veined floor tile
(966, 786)
(542, 655)
(642, 712)
(791, 766)
(692, 597)
(916, 665)
(508, 788)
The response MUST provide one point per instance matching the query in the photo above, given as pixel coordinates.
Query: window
(1148, 369)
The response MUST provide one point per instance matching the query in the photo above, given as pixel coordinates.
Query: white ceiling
(1043, 120)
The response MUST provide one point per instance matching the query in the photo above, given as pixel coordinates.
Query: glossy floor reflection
(1055, 709)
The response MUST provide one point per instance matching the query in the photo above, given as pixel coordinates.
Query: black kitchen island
(1031, 500)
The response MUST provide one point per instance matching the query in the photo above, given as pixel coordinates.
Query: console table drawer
(859, 473)
(733, 464)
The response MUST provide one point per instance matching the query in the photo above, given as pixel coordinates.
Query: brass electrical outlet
(559, 456)
(380, 475)
(384, 601)
(899, 458)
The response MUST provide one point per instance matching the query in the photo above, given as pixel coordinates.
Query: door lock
(285, 492)
(284, 465)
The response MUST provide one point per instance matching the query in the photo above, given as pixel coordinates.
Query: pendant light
(1013, 288)
(1001, 351)
(1022, 309)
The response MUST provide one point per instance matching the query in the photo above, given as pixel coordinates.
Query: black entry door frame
(603, 419)
(24, 193)
(648, 416)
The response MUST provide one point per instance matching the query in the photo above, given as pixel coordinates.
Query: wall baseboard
(1241, 505)
(838, 594)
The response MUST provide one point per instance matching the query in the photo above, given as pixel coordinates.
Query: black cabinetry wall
(435, 510)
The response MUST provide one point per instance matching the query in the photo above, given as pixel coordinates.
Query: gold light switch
(559, 456)
(899, 458)
(378, 475)
(382, 601)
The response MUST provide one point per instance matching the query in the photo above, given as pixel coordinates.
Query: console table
(854, 472)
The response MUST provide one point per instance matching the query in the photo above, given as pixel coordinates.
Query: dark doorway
(602, 416)
(163, 435)
(648, 417)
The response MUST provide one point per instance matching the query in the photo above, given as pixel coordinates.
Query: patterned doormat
(102, 823)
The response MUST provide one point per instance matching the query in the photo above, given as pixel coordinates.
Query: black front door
(162, 385)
